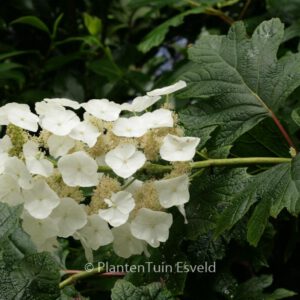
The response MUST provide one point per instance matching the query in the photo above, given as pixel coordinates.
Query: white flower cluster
(50, 158)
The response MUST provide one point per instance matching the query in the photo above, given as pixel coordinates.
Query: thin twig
(242, 14)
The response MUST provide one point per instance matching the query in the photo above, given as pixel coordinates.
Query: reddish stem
(283, 131)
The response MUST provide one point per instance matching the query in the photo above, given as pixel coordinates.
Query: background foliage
(119, 49)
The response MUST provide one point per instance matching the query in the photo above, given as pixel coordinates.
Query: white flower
(69, 217)
(3, 158)
(39, 230)
(5, 144)
(168, 89)
(173, 191)
(19, 115)
(78, 169)
(125, 160)
(130, 127)
(95, 233)
(125, 244)
(59, 145)
(120, 205)
(42, 108)
(35, 161)
(158, 118)
(103, 109)
(3, 116)
(176, 148)
(140, 103)
(10, 191)
(17, 170)
(85, 132)
(151, 226)
(40, 200)
(59, 122)
(63, 102)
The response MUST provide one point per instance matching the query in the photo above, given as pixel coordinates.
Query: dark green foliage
(241, 78)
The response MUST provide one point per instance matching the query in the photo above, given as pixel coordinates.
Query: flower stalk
(80, 275)
(220, 162)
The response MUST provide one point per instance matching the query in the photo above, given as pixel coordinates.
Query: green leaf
(35, 277)
(57, 62)
(263, 140)
(13, 75)
(68, 87)
(288, 10)
(32, 21)
(4, 67)
(9, 219)
(206, 249)
(24, 274)
(253, 288)
(10, 54)
(258, 221)
(156, 36)
(93, 24)
(296, 116)
(124, 290)
(280, 294)
(55, 26)
(154, 3)
(238, 80)
(210, 195)
(292, 32)
(106, 67)
(274, 190)
(16, 246)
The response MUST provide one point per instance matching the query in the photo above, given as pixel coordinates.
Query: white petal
(40, 200)
(59, 145)
(125, 244)
(176, 148)
(140, 103)
(39, 230)
(125, 160)
(17, 169)
(59, 122)
(63, 102)
(10, 191)
(78, 169)
(39, 166)
(130, 127)
(5, 144)
(121, 204)
(174, 191)
(85, 132)
(96, 233)
(159, 118)
(151, 226)
(168, 89)
(69, 216)
(30, 149)
(21, 116)
(103, 109)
